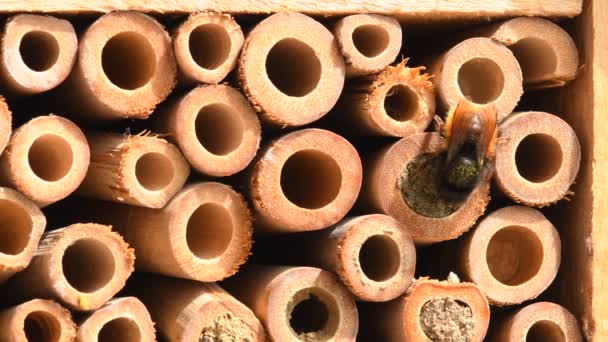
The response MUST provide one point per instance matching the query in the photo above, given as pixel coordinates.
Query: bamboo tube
(82, 266)
(21, 227)
(480, 70)
(190, 311)
(125, 67)
(513, 255)
(297, 303)
(207, 46)
(215, 127)
(37, 53)
(369, 42)
(537, 158)
(6, 121)
(542, 321)
(397, 102)
(401, 181)
(291, 69)
(37, 320)
(305, 180)
(123, 319)
(46, 159)
(139, 170)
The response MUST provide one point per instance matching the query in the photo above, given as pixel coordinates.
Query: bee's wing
(487, 137)
(469, 122)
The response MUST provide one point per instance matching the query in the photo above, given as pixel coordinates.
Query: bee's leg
(438, 124)
(487, 170)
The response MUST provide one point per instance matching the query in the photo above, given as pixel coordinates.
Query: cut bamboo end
(291, 69)
(21, 227)
(513, 255)
(207, 46)
(215, 127)
(46, 159)
(6, 121)
(37, 53)
(121, 319)
(397, 102)
(546, 53)
(369, 42)
(37, 320)
(537, 158)
(542, 321)
(305, 180)
(139, 170)
(373, 256)
(479, 70)
(298, 303)
(186, 310)
(82, 266)
(426, 215)
(125, 68)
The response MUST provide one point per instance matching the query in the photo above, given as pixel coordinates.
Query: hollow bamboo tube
(291, 69)
(37, 320)
(297, 303)
(46, 159)
(82, 266)
(139, 170)
(215, 127)
(537, 158)
(479, 70)
(125, 67)
(305, 180)
(513, 255)
(542, 321)
(191, 311)
(207, 46)
(368, 42)
(6, 121)
(21, 227)
(37, 53)
(203, 233)
(383, 191)
(123, 319)
(397, 102)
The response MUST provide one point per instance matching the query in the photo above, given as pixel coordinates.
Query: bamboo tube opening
(219, 128)
(311, 179)
(481, 80)
(447, 319)
(88, 265)
(120, 329)
(209, 45)
(401, 103)
(39, 50)
(128, 60)
(371, 40)
(293, 67)
(42, 326)
(545, 331)
(15, 227)
(514, 255)
(209, 231)
(313, 312)
(379, 258)
(538, 157)
(536, 57)
(154, 171)
(50, 157)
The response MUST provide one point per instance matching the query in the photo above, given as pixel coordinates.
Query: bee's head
(462, 173)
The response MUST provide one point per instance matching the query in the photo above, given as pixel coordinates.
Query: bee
(470, 132)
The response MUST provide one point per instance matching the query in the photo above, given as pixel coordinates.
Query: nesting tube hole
(209, 46)
(15, 228)
(379, 258)
(293, 67)
(128, 60)
(313, 311)
(447, 319)
(538, 157)
(88, 265)
(370, 40)
(219, 129)
(311, 179)
(514, 255)
(154, 171)
(401, 103)
(39, 50)
(50, 157)
(535, 56)
(120, 329)
(481, 80)
(41, 326)
(545, 331)
(209, 231)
